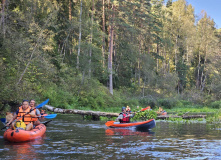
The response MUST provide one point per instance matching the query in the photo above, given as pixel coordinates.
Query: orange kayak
(20, 135)
(138, 125)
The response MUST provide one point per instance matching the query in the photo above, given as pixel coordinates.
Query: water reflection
(25, 150)
(127, 132)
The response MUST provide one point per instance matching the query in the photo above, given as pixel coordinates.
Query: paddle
(144, 109)
(3, 120)
(42, 104)
(109, 123)
(45, 123)
(39, 106)
(50, 116)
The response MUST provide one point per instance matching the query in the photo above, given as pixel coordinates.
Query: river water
(70, 137)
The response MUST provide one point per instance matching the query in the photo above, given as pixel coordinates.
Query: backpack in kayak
(20, 125)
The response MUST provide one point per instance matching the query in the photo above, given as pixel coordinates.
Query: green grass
(192, 109)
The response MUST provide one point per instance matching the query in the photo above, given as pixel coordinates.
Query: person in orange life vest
(23, 113)
(124, 117)
(36, 112)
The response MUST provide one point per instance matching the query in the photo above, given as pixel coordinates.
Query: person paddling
(23, 113)
(124, 117)
(36, 112)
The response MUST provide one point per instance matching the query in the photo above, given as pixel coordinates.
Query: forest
(99, 54)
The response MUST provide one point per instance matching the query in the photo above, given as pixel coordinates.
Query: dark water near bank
(69, 137)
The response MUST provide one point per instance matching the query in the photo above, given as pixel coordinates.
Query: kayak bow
(20, 135)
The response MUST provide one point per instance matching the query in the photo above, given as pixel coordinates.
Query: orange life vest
(27, 118)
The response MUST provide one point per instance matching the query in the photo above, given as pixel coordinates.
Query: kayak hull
(20, 135)
(144, 125)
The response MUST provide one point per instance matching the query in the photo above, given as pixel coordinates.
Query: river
(70, 137)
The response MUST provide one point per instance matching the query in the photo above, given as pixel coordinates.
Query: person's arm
(38, 113)
(32, 113)
(35, 114)
(132, 114)
(119, 117)
(13, 118)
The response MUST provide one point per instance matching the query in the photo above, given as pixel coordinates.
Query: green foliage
(185, 103)
(7, 108)
(176, 119)
(144, 115)
(148, 102)
(216, 117)
(216, 104)
(153, 54)
(167, 103)
(58, 97)
(107, 119)
(191, 109)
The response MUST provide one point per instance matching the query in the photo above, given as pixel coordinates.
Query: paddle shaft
(45, 123)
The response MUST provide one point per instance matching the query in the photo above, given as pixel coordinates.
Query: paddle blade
(109, 123)
(42, 104)
(3, 120)
(50, 116)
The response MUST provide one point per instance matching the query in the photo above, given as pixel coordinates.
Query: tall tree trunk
(111, 34)
(139, 59)
(79, 42)
(69, 7)
(82, 82)
(176, 45)
(157, 58)
(203, 75)
(198, 73)
(91, 38)
(164, 61)
(2, 22)
(143, 90)
(103, 41)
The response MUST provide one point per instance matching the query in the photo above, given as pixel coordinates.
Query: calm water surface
(69, 137)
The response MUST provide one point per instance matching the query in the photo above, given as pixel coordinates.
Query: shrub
(216, 104)
(145, 115)
(167, 103)
(148, 102)
(58, 97)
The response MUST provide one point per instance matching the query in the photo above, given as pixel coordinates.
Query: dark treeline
(108, 53)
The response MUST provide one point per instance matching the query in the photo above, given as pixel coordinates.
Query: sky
(212, 8)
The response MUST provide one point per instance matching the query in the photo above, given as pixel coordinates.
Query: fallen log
(81, 112)
(167, 116)
(109, 115)
(193, 116)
